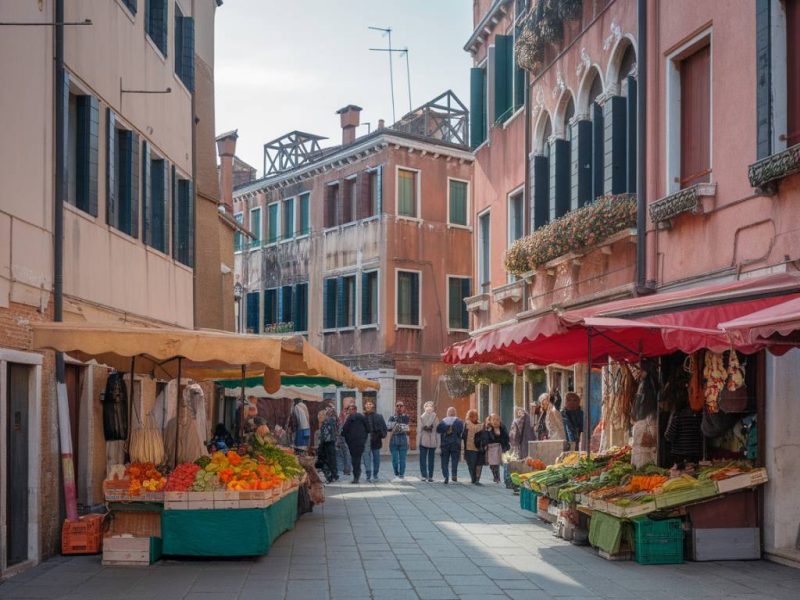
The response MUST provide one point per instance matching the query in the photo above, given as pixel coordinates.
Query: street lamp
(238, 294)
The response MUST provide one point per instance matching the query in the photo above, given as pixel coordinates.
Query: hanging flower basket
(488, 376)
(458, 386)
(574, 232)
(529, 50)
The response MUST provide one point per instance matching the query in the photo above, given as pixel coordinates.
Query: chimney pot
(381, 123)
(350, 117)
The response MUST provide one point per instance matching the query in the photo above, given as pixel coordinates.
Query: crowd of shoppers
(344, 444)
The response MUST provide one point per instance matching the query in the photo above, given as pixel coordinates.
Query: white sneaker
(397, 480)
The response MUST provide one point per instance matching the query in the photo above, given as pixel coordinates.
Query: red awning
(782, 319)
(659, 324)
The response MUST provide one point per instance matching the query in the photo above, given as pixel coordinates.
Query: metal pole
(391, 73)
(178, 410)
(641, 150)
(588, 416)
(408, 81)
(241, 410)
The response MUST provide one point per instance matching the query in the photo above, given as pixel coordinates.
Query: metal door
(17, 464)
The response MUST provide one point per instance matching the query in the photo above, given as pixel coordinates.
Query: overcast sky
(285, 65)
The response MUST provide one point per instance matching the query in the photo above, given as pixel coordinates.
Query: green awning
(287, 380)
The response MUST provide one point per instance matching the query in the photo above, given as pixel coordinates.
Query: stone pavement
(414, 540)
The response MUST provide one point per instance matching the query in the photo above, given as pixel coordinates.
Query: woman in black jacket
(495, 440)
(355, 432)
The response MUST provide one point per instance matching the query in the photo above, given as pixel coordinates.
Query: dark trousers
(326, 459)
(474, 460)
(356, 453)
(495, 472)
(451, 453)
(426, 456)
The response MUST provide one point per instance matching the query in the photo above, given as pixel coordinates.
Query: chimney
(381, 123)
(350, 117)
(226, 148)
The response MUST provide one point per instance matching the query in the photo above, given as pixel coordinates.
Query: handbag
(733, 395)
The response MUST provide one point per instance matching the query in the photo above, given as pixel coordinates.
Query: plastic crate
(658, 542)
(84, 536)
(524, 498)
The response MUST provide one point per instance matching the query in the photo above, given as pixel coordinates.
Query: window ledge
(369, 326)
(509, 292)
(478, 303)
(286, 241)
(81, 213)
(346, 329)
(349, 224)
(481, 145)
(412, 327)
(366, 220)
(765, 174)
(416, 220)
(456, 226)
(690, 200)
(513, 117)
(450, 331)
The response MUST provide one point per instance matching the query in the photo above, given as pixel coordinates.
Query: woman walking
(451, 430)
(428, 441)
(550, 425)
(474, 454)
(398, 444)
(521, 433)
(495, 440)
(326, 449)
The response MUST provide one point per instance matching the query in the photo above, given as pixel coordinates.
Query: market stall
(171, 497)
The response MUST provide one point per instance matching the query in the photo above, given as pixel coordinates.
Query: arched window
(587, 142)
(561, 176)
(540, 172)
(619, 114)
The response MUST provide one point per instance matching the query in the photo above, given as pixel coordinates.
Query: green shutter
(406, 192)
(187, 52)
(147, 199)
(365, 300)
(288, 218)
(631, 134)
(176, 213)
(190, 200)
(64, 139)
(330, 303)
(252, 312)
(287, 305)
(135, 184)
(269, 307)
(598, 151)
(466, 292)
(541, 191)
(304, 225)
(415, 299)
(559, 178)
(272, 224)
(763, 78)
(458, 202)
(88, 153)
(503, 62)
(299, 301)
(477, 101)
(581, 167)
(111, 169)
(379, 200)
(341, 308)
(615, 152)
(453, 303)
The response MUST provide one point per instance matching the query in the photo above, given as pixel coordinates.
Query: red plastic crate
(84, 536)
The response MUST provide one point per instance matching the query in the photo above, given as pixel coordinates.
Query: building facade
(365, 247)
(126, 147)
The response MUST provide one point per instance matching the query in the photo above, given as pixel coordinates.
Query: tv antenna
(387, 31)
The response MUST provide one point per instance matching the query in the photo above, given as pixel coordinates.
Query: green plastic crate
(658, 542)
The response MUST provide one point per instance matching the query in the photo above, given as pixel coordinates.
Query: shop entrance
(17, 461)
(507, 404)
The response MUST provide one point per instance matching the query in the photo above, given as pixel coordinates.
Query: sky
(282, 65)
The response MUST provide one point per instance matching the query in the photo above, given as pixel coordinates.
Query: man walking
(398, 445)
(451, 428)
(377, 431)
(355, 434)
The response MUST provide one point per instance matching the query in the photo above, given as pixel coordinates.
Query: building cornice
(486, 24)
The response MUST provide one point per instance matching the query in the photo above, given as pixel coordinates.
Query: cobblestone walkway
(413, 540)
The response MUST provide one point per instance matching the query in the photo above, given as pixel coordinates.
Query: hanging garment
(115, 408)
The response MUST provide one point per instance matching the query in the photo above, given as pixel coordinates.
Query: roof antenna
(388, 31)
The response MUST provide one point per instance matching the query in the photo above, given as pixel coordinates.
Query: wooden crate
(740, 482)
(138, 523)
(131, 551)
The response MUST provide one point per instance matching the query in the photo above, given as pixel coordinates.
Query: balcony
(691, 200)
(765, 174)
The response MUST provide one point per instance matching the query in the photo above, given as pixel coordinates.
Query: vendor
(573, 418)
(684, 435)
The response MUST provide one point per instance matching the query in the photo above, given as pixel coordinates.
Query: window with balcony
(458, 199)
(408, 298)
(516, 216)
(331, 217)
(560, 162)
(346, 302)
(238, 237)
(349, 200)
(540, 177)
(271, 308)
(407, 193)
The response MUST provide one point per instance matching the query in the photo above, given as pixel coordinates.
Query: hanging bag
(733, 395)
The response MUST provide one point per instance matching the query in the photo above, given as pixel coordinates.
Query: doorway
(507, 404)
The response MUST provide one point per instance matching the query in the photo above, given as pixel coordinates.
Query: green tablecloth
(227, 532)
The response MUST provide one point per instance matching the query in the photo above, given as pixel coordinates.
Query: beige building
(132, 159)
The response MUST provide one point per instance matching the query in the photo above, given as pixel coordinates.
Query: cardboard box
(746, 480)
(200, 504)
(132, 551)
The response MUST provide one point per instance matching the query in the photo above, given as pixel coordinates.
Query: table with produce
(608, 490)
(233, 503)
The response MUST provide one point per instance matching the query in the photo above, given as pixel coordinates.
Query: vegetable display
(144, 477)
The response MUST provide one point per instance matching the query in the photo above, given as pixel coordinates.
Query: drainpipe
(65, 436)
(194, 182)
(642, 286)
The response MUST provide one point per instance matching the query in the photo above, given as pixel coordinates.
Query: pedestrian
(301, 425)
(377, 432)
(450, 430)
(355, 433)
(428, 441)
(535, 417)
(495, 440)
(474, 454)
(550, 425)
(398, 444)
(326, 450)
(343, 462)
(684, 435)
(521, 433)
(572, 416)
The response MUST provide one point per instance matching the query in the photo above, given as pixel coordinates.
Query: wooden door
(17, 464)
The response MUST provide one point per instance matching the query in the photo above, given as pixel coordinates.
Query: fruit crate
(658, 542)
(84, 536)
(703, 490)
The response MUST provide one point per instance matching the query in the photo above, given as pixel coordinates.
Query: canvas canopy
(782, 320)
(199, 354)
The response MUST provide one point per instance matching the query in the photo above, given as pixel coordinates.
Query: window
(516, 217)
(182, 220)
(408, 298)
(346, 302)
(271, 314)
(251, 310)
(407, 193)
(349, 201)
(329, 303)
(540, 179)
(375, 181)
(484, 271)
(305, 227)
(332, 205)
(238, 237)
(560, 165)
(588, 145)
(286, 305)
(504, 73)
(300, 311)
(155, 18)
(288, 219)
(458, 202)
(156, 182)
(273, 223)
(184, 48)
(83, 125)
(369, 298)
(131, 4)
(477, 106)
(255, 227)
(520, 81)
(458, 288)
(122, 177)
(695, 119)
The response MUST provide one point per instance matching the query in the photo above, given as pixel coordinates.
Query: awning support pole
(178, 410)
(241, 410)
(613, 341)
(131, 400)
(587, 435)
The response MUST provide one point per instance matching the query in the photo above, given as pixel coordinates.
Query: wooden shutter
(286, 304)
(134, 186)
(764, 127)
(466, 292)
(111, 169)
(176, 213)
(178, 41)
(87, 153)
(615, 152)
(166, 205)
(540, 182)
(341, 309)
(477, 106)
(252, 311)
(299, 306)
(147, 200)
(94, 152)
(187, 52)
(503, 61)
(366, 307)
(581, 167)
(598, 151)
(329, 302)
(415, 299)
(695, 105)
(379, 188)
(364, 199)
(631, 132)
(190, 203)
(559, 178)
(269, 307)
(793, 72)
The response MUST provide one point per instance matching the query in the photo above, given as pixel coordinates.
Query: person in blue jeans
(398, 445)
(450, 430)
(428, 441)
(377, 431)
